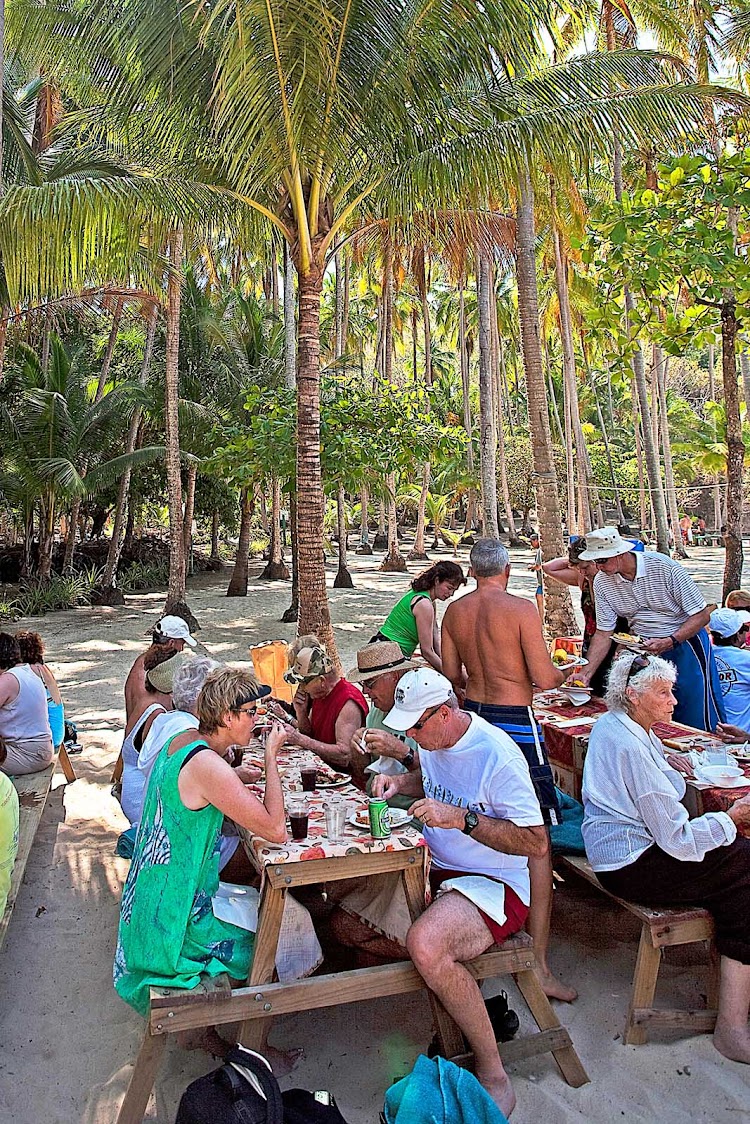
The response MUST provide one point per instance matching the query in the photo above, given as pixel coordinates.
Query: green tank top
(168, 934)
(401, 625)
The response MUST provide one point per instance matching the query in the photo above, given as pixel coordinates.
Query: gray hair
(488, 557)
(188, 682)
(657, 671)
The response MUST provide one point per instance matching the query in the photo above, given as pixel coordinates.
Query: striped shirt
(656, 603)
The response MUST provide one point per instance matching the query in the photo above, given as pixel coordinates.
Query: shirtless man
(498, 639)
(170, 633)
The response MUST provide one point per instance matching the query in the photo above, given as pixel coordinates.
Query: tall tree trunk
(238, 581)
(487, 435)
(394, 561)
(364, 529)
(338, 343)
(570, 472)
(290, 324)
(215, 523)
(187, 519)
(46, 537)
(716, 489)
(660, 380)
(500, 416)
(735, 446)
(176, 592)
(642, 503)
(417, 552)
(314, 612)
(560, 619)
(111, 341)
(608, 452)
(653, 468)
(115, 544)
(275, 569)
(465, 389)
(745, 369)
(343, 579)
(292, 613)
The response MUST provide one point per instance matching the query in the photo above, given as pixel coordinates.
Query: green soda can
(380, 818)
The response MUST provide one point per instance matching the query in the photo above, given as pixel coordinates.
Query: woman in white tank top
(25, 736)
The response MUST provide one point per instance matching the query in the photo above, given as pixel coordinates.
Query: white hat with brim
(379, 658)
(176, 629)
(417, 692)
(606, 542)
(728, 622)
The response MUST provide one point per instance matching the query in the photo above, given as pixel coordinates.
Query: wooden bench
(660, 928)
(214, 1003)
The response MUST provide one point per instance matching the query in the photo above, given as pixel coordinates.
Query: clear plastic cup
(335, 809)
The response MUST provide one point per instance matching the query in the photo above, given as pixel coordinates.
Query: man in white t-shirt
(728, 629)
(481, 817)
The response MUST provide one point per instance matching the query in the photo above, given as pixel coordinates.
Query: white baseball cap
(176, 629)
(728, 622)
(415, 693)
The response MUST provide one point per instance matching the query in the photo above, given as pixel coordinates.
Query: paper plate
(398, 818)
(574, 661)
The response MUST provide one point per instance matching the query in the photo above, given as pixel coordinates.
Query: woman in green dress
(412, 620)
(168, 934)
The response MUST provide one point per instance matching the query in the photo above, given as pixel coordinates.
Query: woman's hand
(740, 813)
(276, 737)
(248, 774)
(680, 762)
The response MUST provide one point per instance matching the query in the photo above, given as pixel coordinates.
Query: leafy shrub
(144, 576)
(61, 591)
(9, 610)
(259, 545)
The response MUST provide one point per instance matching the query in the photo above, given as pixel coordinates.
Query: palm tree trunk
(735, 446)
(46, 537)
(394, 561)
(238, 581)
(560, 620)
(716, 490)
(500, 416)
(417, 552)
(215, 520)
(660, 379)
(653, 469)
(343, 579)
(364, 529)
(464, 360)
(570, 477)
(290, 326)
(176, 591)
(314, 613)
(639, 458)
(607, 450)
(487, 435)
(187, 519)
(115, 545)
(292, 613)
(112, 340)
(275, 569)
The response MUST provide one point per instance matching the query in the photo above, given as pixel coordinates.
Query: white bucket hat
(606, 542)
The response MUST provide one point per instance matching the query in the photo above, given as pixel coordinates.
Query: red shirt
(324, 712)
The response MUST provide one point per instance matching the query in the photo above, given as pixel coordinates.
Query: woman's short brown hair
(31, 645)
(225, 690)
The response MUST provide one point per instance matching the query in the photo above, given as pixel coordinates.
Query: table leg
(450, 1039)
(65, 764)
(253, 1032)
(142, 1078)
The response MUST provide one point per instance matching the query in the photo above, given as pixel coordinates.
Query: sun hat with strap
(377, 659)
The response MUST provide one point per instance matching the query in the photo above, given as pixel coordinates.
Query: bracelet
(674, 640)
(408, 759)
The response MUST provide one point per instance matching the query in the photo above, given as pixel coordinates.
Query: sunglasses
(640, 663)
(423, 721)
(242, 709)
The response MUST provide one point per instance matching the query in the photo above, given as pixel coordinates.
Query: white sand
(68, 1041)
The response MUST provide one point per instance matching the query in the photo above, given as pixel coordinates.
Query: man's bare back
(498, 639)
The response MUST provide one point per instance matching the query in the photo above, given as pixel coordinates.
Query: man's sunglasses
(423, 721)
(640, 663)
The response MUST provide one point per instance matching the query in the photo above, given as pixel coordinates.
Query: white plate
(574, 661)
(399, 816)
(736, 782)
(631, 645)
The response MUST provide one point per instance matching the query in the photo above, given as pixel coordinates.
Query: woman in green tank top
(412, 620)
(168, 935)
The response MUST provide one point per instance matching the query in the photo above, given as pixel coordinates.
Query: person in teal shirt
(412, 621)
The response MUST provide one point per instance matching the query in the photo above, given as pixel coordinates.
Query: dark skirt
(719, 883)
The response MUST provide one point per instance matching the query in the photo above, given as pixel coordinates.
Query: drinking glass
(308, 775)
(335, 810)
(297, 810)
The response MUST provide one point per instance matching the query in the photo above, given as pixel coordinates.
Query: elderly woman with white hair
(644, 848)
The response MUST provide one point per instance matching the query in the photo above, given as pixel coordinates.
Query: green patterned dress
(168, 934)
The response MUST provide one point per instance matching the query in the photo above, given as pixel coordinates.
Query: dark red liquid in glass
(308, 778)
(298, 825)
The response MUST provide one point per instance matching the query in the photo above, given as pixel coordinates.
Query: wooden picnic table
(567, 730)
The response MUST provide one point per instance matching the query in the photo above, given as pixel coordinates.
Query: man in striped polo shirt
(663, 606)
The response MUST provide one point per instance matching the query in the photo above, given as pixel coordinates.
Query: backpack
(245, 1091)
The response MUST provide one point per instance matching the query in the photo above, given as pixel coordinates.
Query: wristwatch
(408, 759)
(675, 641)
(471, 819)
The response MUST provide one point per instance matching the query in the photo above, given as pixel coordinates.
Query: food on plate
(560, 656)
(626, 638)
(327, 777)
(574, 682)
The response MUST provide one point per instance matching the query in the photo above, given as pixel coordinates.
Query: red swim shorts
(515, 911)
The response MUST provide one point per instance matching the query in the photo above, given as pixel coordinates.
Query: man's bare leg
(540, 912)
(449, 932)
(731, 1036)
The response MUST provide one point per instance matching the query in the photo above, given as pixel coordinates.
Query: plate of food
(361, 818)
(578, 692)
(563, 660)
(628, 640)
(326, 778)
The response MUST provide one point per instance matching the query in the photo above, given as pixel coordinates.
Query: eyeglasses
(423, 721)
(245, 709)
(640, 663)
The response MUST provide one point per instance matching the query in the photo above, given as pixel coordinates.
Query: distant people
(412, 621)
(665, 608)
(168, 934)
(729, 629)
(328, 709)
(498, 639)
(8, 836)
(25, 735)
(686, 529)
(169, 633)
(642, 844)
(32, 652)
(538, 569)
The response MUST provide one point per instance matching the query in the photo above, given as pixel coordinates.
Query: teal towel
(126, 843)
(439, 1092)
(566, 837)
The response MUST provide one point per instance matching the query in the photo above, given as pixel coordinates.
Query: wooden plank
(645, 976)
(683, 930)
(263, 967)
(703, 1021)
(32, 789)
(261, 1001)
(565, 1056)
(362, 865)
(133, 1107)
(211, 989)
(66, 765)
(521, 1048)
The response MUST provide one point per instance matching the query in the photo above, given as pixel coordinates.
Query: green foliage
(144, 576)
(61, 592)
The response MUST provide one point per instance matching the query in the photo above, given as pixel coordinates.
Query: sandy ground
(67, 1040)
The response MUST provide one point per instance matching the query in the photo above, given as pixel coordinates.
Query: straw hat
(162, 676)
(378, 659)
(606, 542)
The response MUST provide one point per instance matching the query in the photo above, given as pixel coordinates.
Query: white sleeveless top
(133, 780)
(26, 716)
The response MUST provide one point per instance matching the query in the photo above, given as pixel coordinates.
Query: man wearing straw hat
(375, 747)
(665, 608)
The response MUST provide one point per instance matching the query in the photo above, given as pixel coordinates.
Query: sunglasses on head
(640, 663)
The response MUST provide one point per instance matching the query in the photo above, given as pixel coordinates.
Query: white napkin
(298, 952)
(486, 894)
